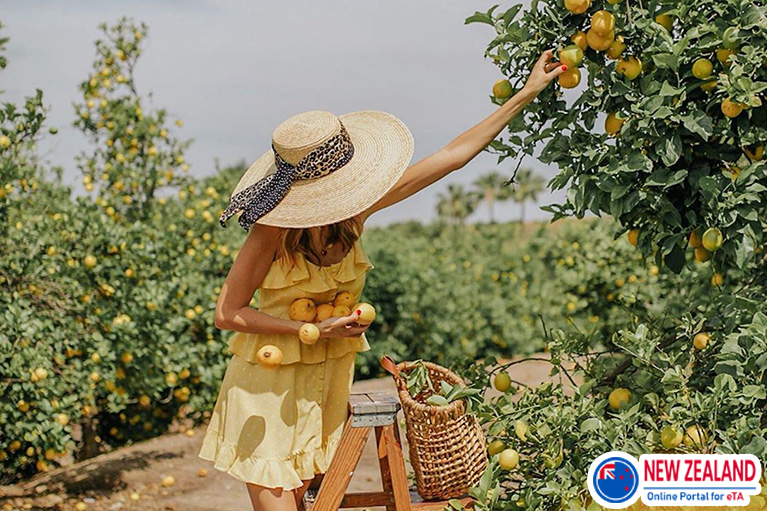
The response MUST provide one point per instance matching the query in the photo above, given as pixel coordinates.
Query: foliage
(677, 165)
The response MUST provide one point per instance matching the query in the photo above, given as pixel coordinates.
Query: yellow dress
(279, 427)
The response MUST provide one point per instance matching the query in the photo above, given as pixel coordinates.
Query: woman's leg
(299, 494)
(271, 499)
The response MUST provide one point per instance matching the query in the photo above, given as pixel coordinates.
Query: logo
(613, 480)
(616, 480)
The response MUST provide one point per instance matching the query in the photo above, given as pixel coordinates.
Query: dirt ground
(131, 478)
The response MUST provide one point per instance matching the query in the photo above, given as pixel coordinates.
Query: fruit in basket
(302, 309)
(502, 382)
(309, 333)
(324, 311)
(344, 298)
(366, 313)
(269, 356)
(509, 459)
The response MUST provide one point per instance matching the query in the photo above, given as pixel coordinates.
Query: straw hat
(322, 169)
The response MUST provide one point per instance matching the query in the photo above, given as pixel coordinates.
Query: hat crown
(300, 134)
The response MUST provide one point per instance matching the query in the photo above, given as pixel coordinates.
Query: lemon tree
(686, 78)
(664, 135)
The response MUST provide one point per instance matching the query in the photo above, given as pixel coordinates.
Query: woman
(304, 205)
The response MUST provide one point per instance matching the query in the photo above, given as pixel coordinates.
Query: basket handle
(390, 366)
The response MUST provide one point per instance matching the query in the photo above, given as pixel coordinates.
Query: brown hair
(308, 241)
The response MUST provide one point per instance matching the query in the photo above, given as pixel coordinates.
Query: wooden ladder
(371, 411)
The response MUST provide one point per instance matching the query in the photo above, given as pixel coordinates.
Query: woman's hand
(544, 71)
(345, 326)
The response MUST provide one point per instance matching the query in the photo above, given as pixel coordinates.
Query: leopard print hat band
(262, 196)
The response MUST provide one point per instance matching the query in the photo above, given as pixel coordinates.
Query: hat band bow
(262, 196)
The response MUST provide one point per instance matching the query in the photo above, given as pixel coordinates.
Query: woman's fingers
(551, 66)
(347, 320)
(558, 70)
(545, 57)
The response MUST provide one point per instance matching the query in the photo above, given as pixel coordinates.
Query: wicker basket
(447, 446)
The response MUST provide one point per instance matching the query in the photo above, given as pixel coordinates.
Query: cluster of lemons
(306, 310)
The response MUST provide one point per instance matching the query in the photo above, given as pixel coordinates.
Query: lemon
(619, 397)
(502, 382)
(509, 459)
(670, 437)
(712, 239)
(495, 447)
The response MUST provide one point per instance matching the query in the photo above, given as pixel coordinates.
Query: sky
(234, 69)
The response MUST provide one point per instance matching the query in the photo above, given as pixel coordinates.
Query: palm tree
(491, 190)
(456, 205)
(527, 186)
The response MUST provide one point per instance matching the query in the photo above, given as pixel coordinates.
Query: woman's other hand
(344, 326)
(544, 71)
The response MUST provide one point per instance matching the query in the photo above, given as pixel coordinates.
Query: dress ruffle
(318, 279)
(287, 474)
(282, 286)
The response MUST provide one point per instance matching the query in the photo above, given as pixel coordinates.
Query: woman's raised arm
(469, 144)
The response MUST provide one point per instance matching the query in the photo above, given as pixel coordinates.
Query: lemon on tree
(630, 67)
(702, 255)
(671, 437)
(665, 21)
(597, 41)
(508, 459)
(613, 125)
(579, 40)
(571, 56)
(695, 436)
(495, 447)
(732, 108)
(577, 6)
(603, 22)
(702, 68)
(712, 239)
(616, 48)
(502, 89)
(754, 153)
(633, 236)
(700, 341)
(570, 78)
(502, 381)
(619, 397)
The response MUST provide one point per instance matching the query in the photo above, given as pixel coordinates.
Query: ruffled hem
(287, 474)
(319, 279)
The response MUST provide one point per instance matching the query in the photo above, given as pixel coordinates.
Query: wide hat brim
(383, 148)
